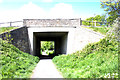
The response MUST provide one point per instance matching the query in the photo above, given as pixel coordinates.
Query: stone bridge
(67, 34)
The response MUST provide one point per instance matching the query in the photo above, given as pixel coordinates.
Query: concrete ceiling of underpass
(50, 34)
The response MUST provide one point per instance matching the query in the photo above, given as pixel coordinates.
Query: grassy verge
(6, 29)
(15, 63)
(102, 30)
(96, 60)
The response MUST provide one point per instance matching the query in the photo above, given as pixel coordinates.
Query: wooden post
(89, 23)
(95, 23)
(10, 24)
(92, 23)
(80, 22)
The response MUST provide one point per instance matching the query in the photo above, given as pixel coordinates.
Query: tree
(112, 8)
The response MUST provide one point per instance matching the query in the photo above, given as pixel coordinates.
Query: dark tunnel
(59, 38)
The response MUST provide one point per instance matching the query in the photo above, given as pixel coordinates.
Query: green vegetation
(102, 30)
(96, 60)
(6, 29)
(15, 63)
(112, 8)
(47, 46)
(97, 18)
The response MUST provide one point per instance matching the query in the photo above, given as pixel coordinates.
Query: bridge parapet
(52, 22)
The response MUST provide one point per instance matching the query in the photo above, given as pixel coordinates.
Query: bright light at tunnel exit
(47, 47)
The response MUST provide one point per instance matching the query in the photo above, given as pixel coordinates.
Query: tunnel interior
(59, 38)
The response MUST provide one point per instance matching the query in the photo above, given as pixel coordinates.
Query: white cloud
(0, 1)
(47, 0)
(33, 11)
(27, 11)
(62, 10)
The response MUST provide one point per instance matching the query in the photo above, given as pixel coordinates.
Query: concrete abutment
(63, 38)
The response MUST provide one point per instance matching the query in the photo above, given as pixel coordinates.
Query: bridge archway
(59, 38)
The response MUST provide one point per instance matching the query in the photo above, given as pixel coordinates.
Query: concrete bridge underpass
(61, 31)
(67, 34)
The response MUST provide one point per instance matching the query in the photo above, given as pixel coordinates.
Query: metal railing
(94, 23)
(12, 24)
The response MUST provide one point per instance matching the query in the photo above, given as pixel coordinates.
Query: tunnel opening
(58, 38)
(47, 48)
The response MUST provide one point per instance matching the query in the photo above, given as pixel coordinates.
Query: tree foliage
(47, 45)
(111, 7)
(97, 18)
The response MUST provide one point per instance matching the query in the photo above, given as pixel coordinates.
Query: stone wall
(20, 38)
(52, 22)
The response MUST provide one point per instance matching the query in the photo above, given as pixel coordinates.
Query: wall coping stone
(52, 22)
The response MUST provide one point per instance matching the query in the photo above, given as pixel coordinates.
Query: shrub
(47, 45)
(15, 63)
(6, 29)
(102, 30)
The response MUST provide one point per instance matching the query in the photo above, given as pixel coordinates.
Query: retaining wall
(20, 38)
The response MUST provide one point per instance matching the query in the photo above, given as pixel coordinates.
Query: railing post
(95, 23)
(10, 24)
(89, 23)
(92, 23)
(80, 22)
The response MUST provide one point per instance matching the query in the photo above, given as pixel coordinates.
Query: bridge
(67, 34)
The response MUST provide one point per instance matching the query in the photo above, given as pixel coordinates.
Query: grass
(6, 29)
(102, 30)
(96, 60)
(15, 63)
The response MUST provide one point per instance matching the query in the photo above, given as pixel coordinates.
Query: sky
(15, 10)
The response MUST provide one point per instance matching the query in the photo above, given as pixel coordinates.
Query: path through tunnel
(59, 39)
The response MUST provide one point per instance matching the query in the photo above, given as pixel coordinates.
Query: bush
(47, 45)
(102, 30)
(15, 63)
(6, 29)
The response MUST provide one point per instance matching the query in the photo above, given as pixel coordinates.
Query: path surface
(46, 69)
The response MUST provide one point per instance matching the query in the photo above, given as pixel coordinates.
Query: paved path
(46, 69)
